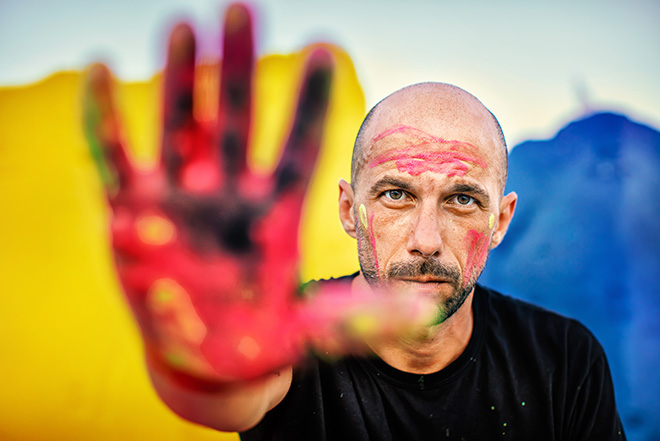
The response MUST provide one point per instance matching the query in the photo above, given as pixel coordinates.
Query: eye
(395, 195)
(463, 199)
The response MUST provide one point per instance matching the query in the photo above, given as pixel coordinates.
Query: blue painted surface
(585, 241)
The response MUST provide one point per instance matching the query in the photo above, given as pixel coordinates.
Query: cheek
(370, 233)
(367, 222)
(476, 245)
(387, 234)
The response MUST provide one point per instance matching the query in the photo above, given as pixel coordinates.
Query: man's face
(426, 205)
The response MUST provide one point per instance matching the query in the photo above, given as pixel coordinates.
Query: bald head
(443, 109)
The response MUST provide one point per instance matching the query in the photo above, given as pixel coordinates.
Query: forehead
(445, 131)
(415, 152)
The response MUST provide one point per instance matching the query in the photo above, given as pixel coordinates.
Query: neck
(434, 348)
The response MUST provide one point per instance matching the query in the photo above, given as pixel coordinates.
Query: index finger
(301, 149)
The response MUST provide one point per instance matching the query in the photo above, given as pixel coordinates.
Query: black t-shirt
(526, 374)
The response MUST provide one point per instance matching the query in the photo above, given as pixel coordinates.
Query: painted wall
(71, 357)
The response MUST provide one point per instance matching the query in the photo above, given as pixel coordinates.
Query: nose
(425, 239)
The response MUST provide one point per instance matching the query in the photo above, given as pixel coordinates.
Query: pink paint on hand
(477, 244)
(415, 158)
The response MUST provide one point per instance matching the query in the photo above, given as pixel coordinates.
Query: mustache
(425, 267)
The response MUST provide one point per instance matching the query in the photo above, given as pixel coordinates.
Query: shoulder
(556, 357)
(538, 329)
(528, 316)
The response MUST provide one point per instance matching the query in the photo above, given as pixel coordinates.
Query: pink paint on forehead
(415, 157)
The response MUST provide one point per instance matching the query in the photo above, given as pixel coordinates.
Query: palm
(207, 250)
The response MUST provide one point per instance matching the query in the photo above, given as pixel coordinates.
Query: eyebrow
(472, 189)
(389, 181)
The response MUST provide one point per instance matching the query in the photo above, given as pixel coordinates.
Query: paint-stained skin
(205, 249)
(414, 152)
(477, 247)
(414, 157)
(192, 236)
(363, 216)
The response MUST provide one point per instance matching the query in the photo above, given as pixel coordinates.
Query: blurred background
(535, 65)
(574, 85)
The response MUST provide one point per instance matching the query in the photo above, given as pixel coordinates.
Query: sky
(535, 65)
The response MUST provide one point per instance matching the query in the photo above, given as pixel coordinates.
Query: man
(426, 205)
(207, 257)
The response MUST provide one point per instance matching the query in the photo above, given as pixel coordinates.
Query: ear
(507, 208)
(346, 212)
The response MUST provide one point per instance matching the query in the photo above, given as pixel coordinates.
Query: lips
(423, 284)
(423, 279)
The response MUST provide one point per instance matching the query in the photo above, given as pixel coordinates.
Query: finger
(235, 98)
(178, 100)
(339, 318)
(300, 152)
(103, 130)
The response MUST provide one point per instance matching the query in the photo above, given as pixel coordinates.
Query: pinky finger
(103, 131)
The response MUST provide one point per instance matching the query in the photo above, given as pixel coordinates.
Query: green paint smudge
(174, 359)
(92, 120)
(163, 296)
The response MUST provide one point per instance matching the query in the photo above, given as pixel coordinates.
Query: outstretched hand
(206, 249)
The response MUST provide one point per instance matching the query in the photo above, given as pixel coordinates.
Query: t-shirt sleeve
(593, 414)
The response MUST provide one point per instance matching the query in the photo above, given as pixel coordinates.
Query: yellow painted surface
(70, 354)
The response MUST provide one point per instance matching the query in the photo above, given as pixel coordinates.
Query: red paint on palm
(206, 250)
(240, 300)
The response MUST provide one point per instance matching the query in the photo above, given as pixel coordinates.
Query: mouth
(424, 285)
(423, 280)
